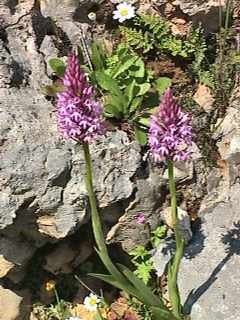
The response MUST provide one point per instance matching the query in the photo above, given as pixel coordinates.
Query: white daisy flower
(92, 16)
(125, 11)
(91, 302)
(119, 1)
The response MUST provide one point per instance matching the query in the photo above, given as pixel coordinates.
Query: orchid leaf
(125, 65)
(117, 284)
(58, 66)
(161, 84)
(140, 135)
(110, 111)
(51, 90)
(150, 299)
(108, 83)
(97, 56)
(161, 314)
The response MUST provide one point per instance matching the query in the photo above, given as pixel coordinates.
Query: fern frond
(137, 39)
(158, 26)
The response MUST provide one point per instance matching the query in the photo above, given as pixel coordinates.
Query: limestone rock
(14, 253)
(59, 260)
(59, 8)
(148, 200)
(14, 305)
(184, 222)
(204, 97)
(204, 11)
(5, 266)
(228, 135)
(41, 177)
(49, 51)
(209, 281)
(160, 258)
(63, 258)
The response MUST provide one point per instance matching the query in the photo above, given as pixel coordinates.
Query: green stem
(60, 309)
(173, 269)
(56, 296)
(100, 241)
(96, 222)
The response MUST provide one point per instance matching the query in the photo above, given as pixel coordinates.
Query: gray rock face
(210, 281)
(14, 306)
(202, 11)
(42, 194)
(209, 275)
(228, 135)
(41, 173)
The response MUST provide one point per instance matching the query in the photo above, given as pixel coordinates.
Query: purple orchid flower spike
(78, 114)
(170, 133)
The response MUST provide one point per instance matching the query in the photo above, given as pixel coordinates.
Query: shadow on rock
(196, 244)
(232, 241)
(193, 248)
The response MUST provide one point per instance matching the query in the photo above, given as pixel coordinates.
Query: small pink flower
(140, 218)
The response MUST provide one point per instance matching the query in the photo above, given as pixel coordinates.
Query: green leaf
(161, 314)
(124, 66)
(139, 252)
(144, 120)
(117, 284)
(143, 88)
(158, 234)
(236, 59)
(151, 100)
(160, 231)
(98, 317)
(149, 298)
(144, 270)
(161, 84)
(97, 56)
(130, 91)
(137, 70)
(109, 279)
(136, 102)
(117, 102)
(111, 111)
(140, 68)
(140, 135)
(80, 55)
(57, 66)
(51, 90)
(123, 283)
(107, 83)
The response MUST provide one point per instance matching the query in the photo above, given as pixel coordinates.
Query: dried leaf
(131, 315)
(119, 307)
(204, 97)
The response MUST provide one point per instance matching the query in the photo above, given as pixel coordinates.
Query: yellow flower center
(92, 301)
(123, 12)
(50, 285)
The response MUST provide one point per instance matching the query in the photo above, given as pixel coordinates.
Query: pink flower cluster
(78, 114)
(170, 133)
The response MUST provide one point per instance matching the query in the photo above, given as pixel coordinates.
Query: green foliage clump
(58, 311)
(137, 39)
(141, 255)
(143, 264)
(154, 33)
(129, 90)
